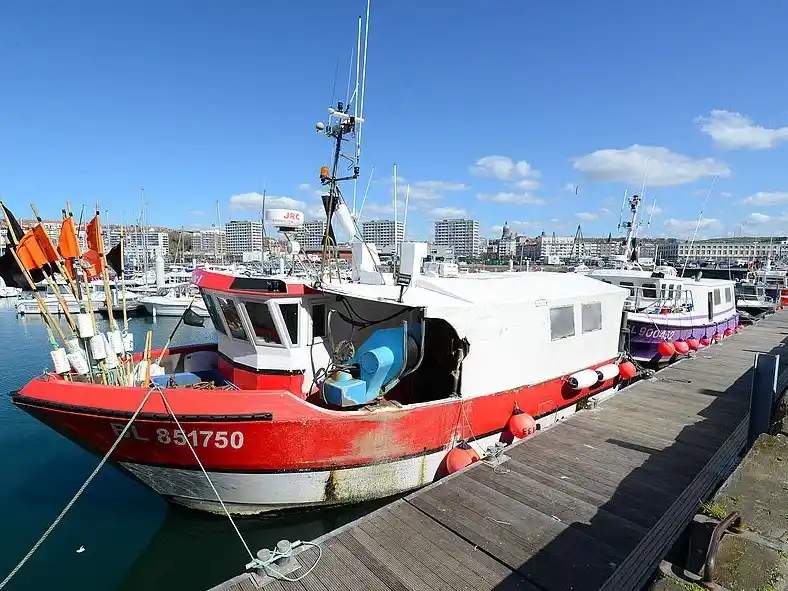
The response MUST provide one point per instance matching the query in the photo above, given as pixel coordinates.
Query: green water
(133, 540)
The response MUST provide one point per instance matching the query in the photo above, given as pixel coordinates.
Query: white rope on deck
(76, 496)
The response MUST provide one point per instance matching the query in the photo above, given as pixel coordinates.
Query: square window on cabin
(562, 322)
(290, 316)
(233, 319)
(717, 297)
(262, 322)
(728, 296)
(649, 290)
(214, 313)
(318, 320)
(591, 315)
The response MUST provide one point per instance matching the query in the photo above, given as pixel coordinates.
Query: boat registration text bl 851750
(197, 437)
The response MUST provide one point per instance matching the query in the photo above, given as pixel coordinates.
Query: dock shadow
(656, 478)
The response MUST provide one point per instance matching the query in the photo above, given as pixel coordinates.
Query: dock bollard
(278, 562)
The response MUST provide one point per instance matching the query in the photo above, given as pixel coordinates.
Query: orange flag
(45, 243)
(91, 263)
(67, 243)
(30, 253)
(94, 240)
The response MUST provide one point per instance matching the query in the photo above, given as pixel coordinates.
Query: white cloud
(733, 130)
(383, 209)
(448, 212)
(429, 190)
(506, 197)
(665, 167)
(504, 168)
(570, 187)
(304, 187)
(687, 227)
(726, 195)
(254, 202)
(654, 209)
(527, 184)
(756, 219)
(195, 212)
(587, 215)
(765, 198)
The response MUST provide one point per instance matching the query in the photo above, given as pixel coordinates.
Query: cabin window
(216, 318)
(233, 318)
(728, 296)
(649, 291)
(562, 322)
(630, 285)
(290, 316)
(591, 316)
(717, 297)
(262, 322)
(318, 320)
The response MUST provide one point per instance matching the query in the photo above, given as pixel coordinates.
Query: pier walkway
(593, 502)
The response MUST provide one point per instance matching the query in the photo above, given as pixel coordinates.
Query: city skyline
(90, 112)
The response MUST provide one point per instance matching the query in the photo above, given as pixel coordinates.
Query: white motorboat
(8, 292)
(172, 300)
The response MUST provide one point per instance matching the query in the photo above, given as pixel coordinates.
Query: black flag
(610, 238)
(192, 318)
(9, 269)
(327, 203)
(114, 262)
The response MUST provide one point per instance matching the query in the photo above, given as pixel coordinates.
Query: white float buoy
(60, 360)
(97, 350)
(85, 326)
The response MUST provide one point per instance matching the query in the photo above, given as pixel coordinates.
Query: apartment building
(461, 234)
(383, 233)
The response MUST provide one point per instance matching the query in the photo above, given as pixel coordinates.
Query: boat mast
(632, 229)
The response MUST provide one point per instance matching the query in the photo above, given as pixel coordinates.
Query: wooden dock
(591, 503)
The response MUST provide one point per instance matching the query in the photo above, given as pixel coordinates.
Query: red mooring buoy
(521, 424)
(459, 457)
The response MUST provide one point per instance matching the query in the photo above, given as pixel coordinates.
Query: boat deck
(593, 502)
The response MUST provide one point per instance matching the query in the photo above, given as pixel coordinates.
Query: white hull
(255, 493)
(160, 307)
(10, 292)
(52, 305)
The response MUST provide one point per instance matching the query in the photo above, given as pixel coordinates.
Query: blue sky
(491, 110)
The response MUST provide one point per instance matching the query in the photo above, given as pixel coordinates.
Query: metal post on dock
(762, 395)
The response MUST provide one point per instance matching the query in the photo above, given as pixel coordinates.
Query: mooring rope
(76, 496)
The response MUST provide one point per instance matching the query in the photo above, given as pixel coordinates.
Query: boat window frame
(213, 305)
(245, 324)
(728, 295)
(279, 324)
(717, 296)
(278, 303)
(650, 291)
(583, 307)
(310, 312)
(571, 307)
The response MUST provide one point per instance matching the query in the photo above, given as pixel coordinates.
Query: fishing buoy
(693, 343)
(97, 347)
(78, 361)
(60, 360)
(729, 332)
(739, 328)
(459, 457)
(521, 424)
(666, 349)
(139, 371)
(705, 341)
(681, 346)
(111, 360)
(716, 337)
(128, 342)
(116, 341)
(85, 326)
(607, 372)
(627, 370)
(582, 379)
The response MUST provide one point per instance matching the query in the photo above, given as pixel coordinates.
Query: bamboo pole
(92, 314)
(148, 339)
(58, 264)
(104, 271)
(127, 355)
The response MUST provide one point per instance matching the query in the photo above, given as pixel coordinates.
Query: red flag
(67, 243)
(94, 236)
(91, 263)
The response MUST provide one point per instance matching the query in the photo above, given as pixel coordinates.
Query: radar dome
(284, 218)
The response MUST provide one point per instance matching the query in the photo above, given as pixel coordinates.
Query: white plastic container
(85, 326)
(111, 360)
(116, 342)
(128, 342)
(97, 350)
(78, 362)
(60, 361)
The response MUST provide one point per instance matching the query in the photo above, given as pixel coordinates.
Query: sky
(539, 114)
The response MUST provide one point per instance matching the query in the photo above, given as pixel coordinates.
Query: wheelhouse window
(290, 316)
(233, 318)
(262, 322)
(591, 316)
(216, 318)
(562, 322)
(717, 297)
(728, 295)
(318, 320)
(649, 290)
(630, 285)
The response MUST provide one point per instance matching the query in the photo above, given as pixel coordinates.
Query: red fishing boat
(321, 392)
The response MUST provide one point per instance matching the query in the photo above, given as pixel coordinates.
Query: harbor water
(119, 535)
